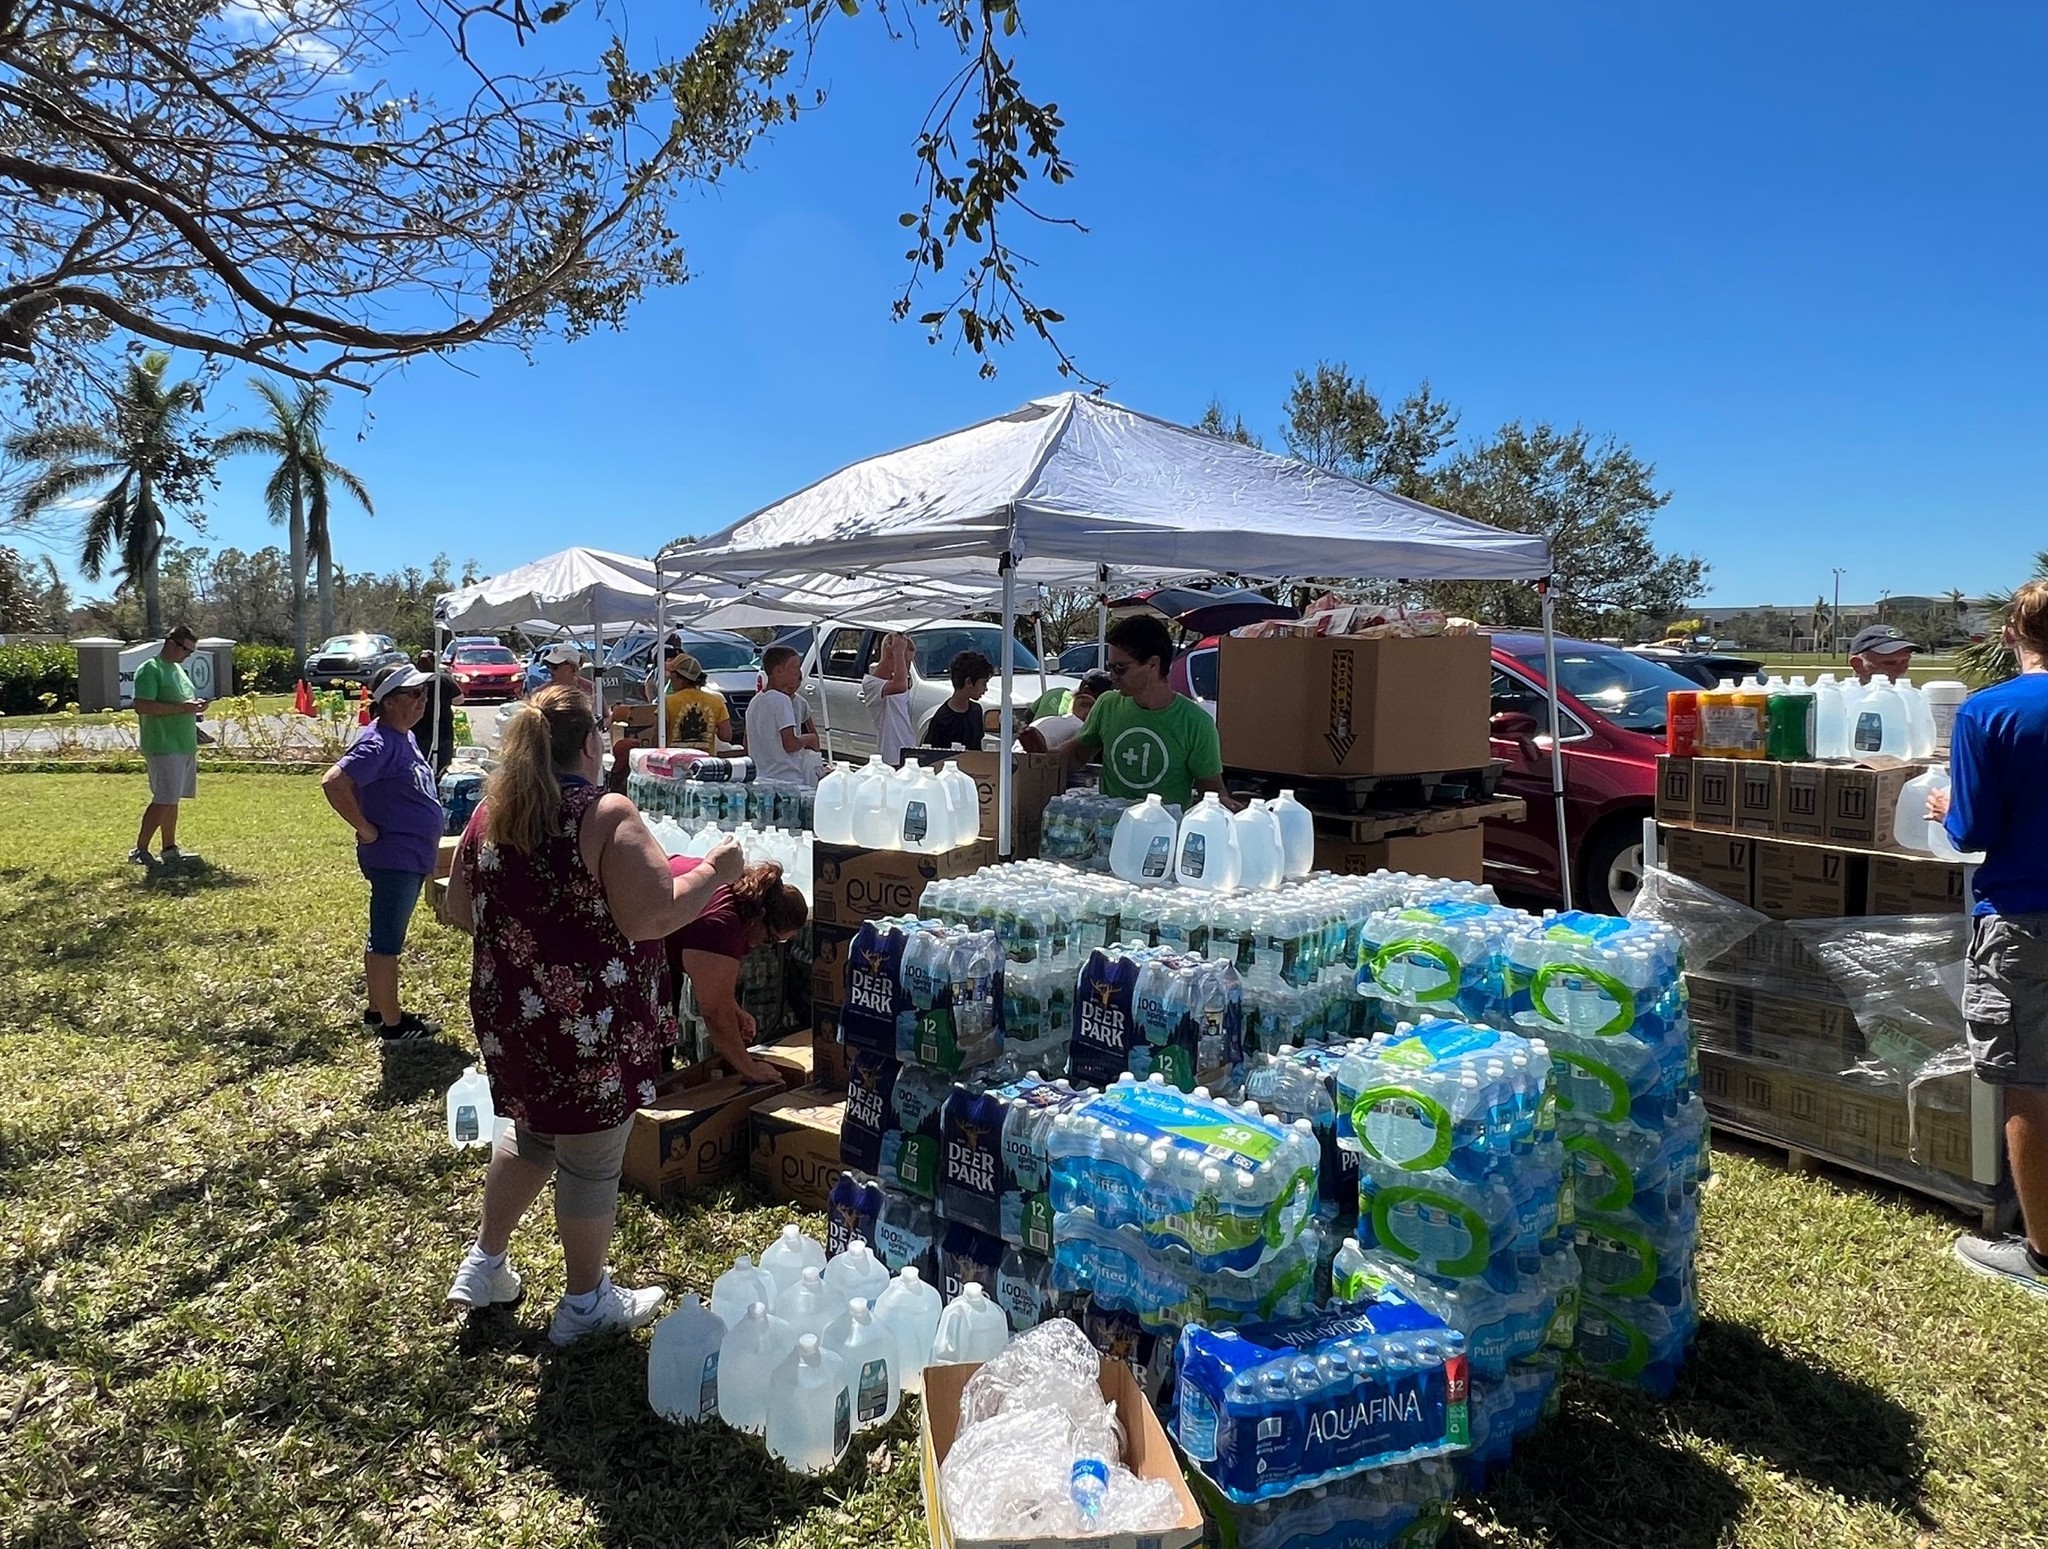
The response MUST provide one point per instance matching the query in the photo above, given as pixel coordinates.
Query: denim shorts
(393, 896)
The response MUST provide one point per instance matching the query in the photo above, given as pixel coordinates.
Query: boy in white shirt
(886, 693)
(780, 740)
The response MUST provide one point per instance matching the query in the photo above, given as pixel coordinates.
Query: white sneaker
(477, 1285)
(617, 1309)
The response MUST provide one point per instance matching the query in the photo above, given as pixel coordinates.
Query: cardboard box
(1855, 1123)
(1713, 791)
(1457, 853)
(1719, 861)
(829, 947)
(444, 857)
(1038, 778)
(1346, 706)
(1809, 881)
(1902, 884)
(795, 1151)
(1147, 1453)
(1800, 791)
(1861, 801)
(1674, 789)
(693, 1135)
(853, 885)
(1766, 1099)
(791, 1055)
(828, 1054)
(1756, 797)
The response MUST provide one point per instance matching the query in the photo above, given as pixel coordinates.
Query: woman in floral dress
(568, 898)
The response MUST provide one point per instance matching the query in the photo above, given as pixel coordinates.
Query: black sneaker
(141, 857)
(409, 1029)
(173, 856)
(2007, 1258)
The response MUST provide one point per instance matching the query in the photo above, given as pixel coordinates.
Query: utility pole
(1835, 618)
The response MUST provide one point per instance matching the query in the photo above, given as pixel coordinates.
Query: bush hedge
(28, 672)
(265, 669)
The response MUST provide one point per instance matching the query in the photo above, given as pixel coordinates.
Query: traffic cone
(302, 701)
(363, 717)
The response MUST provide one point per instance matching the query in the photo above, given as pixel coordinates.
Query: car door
(1524, 853)
(843, 657)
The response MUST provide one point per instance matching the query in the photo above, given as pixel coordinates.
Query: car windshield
(1202, 674)
(486, 655)
(722, 655)
(1631, 691)
(935, 649)
(345, 645)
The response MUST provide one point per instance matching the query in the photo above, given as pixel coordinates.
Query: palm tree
(296, 496)
(1990, 660)
(141, 453)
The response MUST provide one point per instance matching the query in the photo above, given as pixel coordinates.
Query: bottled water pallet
(1362, 794)
(1993, 1218)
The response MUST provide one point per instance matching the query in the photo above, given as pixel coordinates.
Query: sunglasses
(1118, 669)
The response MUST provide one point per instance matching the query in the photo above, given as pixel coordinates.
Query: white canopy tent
(1067, 489)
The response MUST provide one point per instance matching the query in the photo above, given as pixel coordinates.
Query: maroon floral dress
(568, 1012)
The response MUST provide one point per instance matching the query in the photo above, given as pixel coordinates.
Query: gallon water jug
(926, 824)
(1918, 716)
(909, 1310)
(682, 1363)
(1879, 726)
(754, 1347)
(1141, 850)
(1830, 720)
(1261, 853)
(810, 1419)
(832, 815)
(807, 1306)
(790, 1255)
(733, 1292)
(963, 796)
(1205, 853)
(1297, 835)
(873, 1368)
(472, 1120)
(974, 1328)
(871, 824)
(1943, 695)
(856, 1273)
(1915, 830)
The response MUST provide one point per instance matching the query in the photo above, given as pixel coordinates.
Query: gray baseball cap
(1881, 639)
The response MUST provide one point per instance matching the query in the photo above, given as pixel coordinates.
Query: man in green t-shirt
(1151, 740)
(169, 709)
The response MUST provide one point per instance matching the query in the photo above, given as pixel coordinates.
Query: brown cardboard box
(854, 885)
(1147, 1453)
(1719, 861)
(829, 946)
(1799, 790)
(1809, 881)
(1854, 1123)
(1457, 853)
(828, 1054)
(692, 1136)
(1345, 706)
(795, 1154)
(792, 1056)
(1861, 801)
(1713, 791)
(1038, 778)
(1802, 1031)
(444, 857)
(1768, 1099)
(437, 892)
(1904, 884)
(1674, 789)
(1756, 797)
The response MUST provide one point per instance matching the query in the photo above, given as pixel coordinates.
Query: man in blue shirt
(1998, 762)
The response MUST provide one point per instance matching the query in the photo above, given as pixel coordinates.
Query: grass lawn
(226, 1229)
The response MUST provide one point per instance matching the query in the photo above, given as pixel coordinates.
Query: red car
(1612, 707)
(485, 672)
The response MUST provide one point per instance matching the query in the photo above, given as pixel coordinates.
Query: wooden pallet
(1397, 822)
(1360, 794)
(1992, 1218)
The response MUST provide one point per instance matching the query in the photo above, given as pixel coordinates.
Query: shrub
(265, 669)
(28, 673)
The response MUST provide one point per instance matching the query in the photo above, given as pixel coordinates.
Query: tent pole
(1564, 851)
(1038, 630)
(1101, 615)
(1006, 783)
(434, 737)
(661, 666)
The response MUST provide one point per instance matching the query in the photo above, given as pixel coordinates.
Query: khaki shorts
(2005, 998)
(173, 777)
(586, 1167)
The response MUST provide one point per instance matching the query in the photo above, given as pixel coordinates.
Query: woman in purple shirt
(384, 790)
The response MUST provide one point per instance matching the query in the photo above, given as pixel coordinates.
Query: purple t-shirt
(395, 789)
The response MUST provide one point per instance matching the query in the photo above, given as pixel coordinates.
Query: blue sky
(1792, 254)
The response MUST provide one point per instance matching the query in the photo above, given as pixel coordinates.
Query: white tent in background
(1068, 489)
(575, 589)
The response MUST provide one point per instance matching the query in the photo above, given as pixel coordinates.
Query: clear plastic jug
(832, 815)
(872, 826)
(972, 1329)
(807, 1306)
(790, 1255)
(1141, 851)
(1830, 719)
(1880, 725)
(1915, 830)
(682, 1363)
(733, 1292)
(1297, 835)
(856, 1273)
(754, 1347)
(926, 824)
(964, 797)
(909, 1310)
(874, 1369)
(810, 1420)
(1919, 717)
(1261, 850)
(1205, 853)
(472, 1118)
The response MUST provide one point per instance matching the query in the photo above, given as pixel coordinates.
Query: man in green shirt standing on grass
(169, 709)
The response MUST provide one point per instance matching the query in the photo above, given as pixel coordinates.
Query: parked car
(834, 667)
(1077, 659)
(731, 663)
(1705, 668)
(486, 671)
(1611, 707)
(350, 659)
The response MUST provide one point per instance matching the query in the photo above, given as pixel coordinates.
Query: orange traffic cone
(302, 701)
(363, 718)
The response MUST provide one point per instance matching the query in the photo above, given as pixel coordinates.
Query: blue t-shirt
(1998, 761)
(395, 789)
